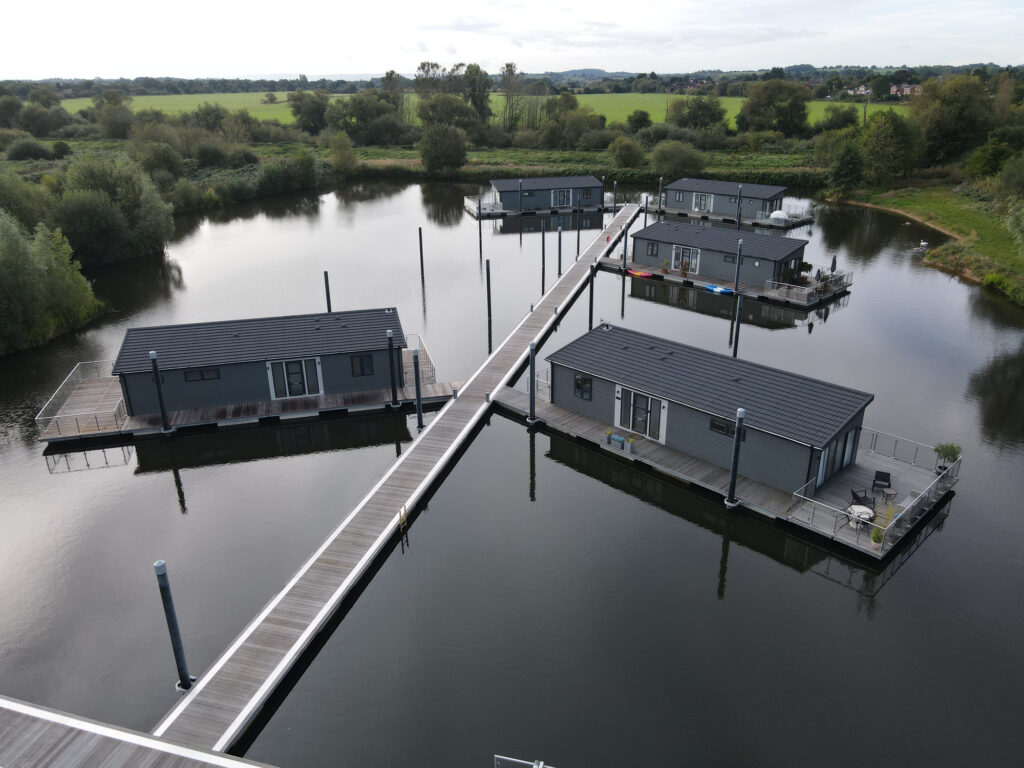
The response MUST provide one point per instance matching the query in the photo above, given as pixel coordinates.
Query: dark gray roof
(762, 191)
(258, 339)
(798, 407)
(546, 182)
(770, 247)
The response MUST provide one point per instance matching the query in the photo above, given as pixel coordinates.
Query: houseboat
(550, 194)
(759, 204)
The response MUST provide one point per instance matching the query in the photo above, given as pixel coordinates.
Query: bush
(210, 155)
(987, 160)
(639, 119)
(343, 158)
(186, 196)
(626, 153)
(1010, 181)
(442, 149)
(61, 149)
(493, 135)
(27, 202)
(9, 136)
(288, 173)
(847, 169)
(27, 149)
(158, 156)
(598, 139)
(676, 159)
(526, 139)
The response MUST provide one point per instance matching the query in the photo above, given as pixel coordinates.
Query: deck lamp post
(661, 183)
(185, 680)
(533, 382)
(520, 196)
(647, 199)
(419, 394)
(560, 252)
(739, 260)
(159, 391)
(731, 502)
(327, 291)
(739, 204)
(391, 367)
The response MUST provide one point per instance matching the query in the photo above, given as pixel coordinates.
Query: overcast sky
(212, 38)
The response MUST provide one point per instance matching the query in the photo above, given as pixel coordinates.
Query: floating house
(710, 252)
(232, 362)
(686, 399)
(551, 193)
(723, 199)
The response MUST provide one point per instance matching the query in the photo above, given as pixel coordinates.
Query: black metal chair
(882, 480)
(864, 498)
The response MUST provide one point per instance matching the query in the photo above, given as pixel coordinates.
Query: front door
(561, 198)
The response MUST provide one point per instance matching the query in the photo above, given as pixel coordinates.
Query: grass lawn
(616, 107)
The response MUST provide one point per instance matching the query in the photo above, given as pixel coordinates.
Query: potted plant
(877, 534)
(945, 455)
(608, 437)
(684, 268)
(664, 267)
(629, 444)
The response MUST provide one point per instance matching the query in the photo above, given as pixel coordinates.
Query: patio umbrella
(817, 276)
(833, 262)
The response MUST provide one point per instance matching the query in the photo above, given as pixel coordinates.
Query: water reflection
(366, 191)
(443, 203)
(150, 280)
(865, 578)
(515, 225)
(997, 388)
(865, 236)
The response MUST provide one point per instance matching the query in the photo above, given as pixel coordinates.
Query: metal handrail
(428, 374)
(78, 374)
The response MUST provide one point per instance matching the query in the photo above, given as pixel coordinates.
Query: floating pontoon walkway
(36, 737)
(229, 694)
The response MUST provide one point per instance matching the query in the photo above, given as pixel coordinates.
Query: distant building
(231, 362)
(905, 89)
(686, 398)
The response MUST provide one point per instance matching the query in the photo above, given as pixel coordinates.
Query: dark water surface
(553, 604)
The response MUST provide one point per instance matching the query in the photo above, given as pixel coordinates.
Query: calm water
(552, 604)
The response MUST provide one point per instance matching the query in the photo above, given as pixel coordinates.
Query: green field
(616, 107)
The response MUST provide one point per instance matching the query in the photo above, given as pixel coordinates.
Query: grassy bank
(982, 250)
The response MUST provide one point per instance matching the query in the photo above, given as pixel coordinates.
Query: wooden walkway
(229, 694)
(36, 737)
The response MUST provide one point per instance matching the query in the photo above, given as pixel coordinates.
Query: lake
(551, 604)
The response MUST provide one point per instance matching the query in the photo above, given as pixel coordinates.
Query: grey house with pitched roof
(796, 429)
(205, 365)
(720, 199)
(548, 193)
(711, 252)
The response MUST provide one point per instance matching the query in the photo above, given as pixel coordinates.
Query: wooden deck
(686, 213)
(91, 410)
(36, 737)
(229, 694)
(826, 518)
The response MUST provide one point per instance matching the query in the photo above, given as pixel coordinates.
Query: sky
(193, 38)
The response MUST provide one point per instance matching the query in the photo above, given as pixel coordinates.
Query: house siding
(720, 206)
(248, 383)
(540, 199)
(767, 458)
(713, 263)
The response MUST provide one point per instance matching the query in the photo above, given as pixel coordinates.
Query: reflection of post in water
(737, 322)
(590, 315)
(490, 329)
(622, 308)
(533, 464)
(180, 489)
(543, 259)
(723, 562)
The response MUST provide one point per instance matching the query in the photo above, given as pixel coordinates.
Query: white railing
(53, 423)
(898, 448)
(833, 282)
(428, 375)
(481, 204)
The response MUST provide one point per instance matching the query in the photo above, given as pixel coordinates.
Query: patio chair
(864, 498)
(882, 480)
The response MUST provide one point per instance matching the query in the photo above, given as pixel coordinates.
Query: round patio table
(859, 514)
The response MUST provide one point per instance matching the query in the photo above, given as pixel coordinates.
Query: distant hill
(583, 74)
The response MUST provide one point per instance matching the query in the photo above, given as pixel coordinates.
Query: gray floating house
(721, 199)
(797, 429)
(204, 365)
(548, 194)
(710, 252)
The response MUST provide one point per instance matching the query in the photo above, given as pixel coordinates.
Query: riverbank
(982, 249)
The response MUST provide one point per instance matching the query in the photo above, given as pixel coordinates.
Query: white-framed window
(702, 201)
(686, 258)
(652, 248)
(640, 413)
(680, 197)
(561, 197)
(294, 378)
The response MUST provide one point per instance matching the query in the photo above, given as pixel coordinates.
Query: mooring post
(327, 290)
(419, 394)
(184, 679)
(731, 500)
(159, 391)
(543, 258)
(488, 270)
(590, 315)
(739, 204)
(560, 252)
(625, 244)
(391, 367)
(739, 260)
(647, 199)
(423, 274)
(520, 199)
(739, 322)
(579, 226)
(661, 181)
(615, 195)
(533, 382)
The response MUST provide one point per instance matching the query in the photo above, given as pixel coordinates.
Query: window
(734, 199)
(703, 201)
(652, 248)
(686, 259)
(362, 365)
(730, 258)
(583, 386)
(726, 427)
(680, 197)
(561, 197)
(294, 378)
(202, 374)
(586, 193)
(527, 193)
(641, 413)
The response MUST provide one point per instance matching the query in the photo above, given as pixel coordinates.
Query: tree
(847, 169)
(837, 117)
(269, 98)
(343, 158)
(114, 120)
(27, 202)
(10, 107)
(368, 117)
(448, 109)
(704, 112)
(513, 88)
(35, 119)
(478, 91)
(626, 153)
(442, 149)
(888, 147)
(953, 114)
(112, 97)
(428, 79)
(879, 85)
(45, 96)
(676, 159)
(775, 105)
(309, 109)
(637, 120)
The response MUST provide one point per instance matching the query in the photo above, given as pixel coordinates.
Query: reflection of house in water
(567, 221)
(782, 545)
(763, 314)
